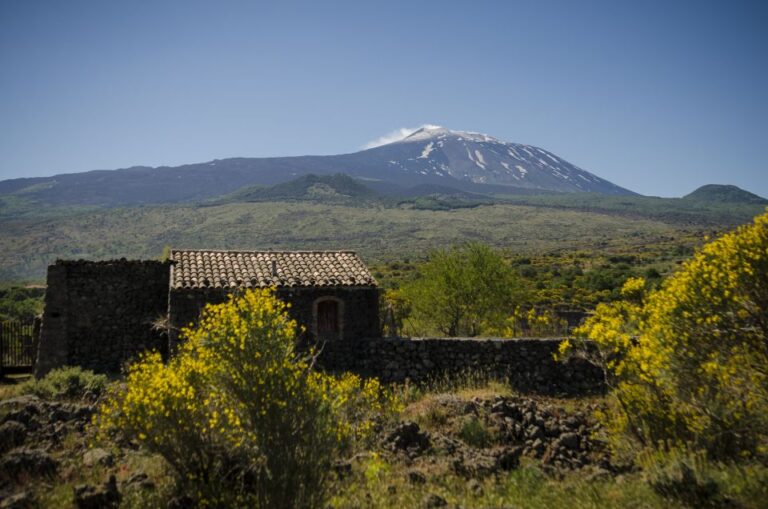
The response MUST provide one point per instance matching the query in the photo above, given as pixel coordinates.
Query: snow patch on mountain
(427, 150)
(480, 161)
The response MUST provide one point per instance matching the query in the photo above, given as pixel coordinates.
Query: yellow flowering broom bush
(240, 416)
(688, 363)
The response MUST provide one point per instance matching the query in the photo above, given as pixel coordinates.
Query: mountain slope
(478, 158)
(556, 223)
(724, 194)
(338, 188)
(29, 245)
(437, 156)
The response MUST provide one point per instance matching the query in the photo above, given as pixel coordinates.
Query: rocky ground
(45, 445)
(456, 446)
(482, 436)
(461, 448)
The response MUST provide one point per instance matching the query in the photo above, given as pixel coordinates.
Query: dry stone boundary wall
(528, 364)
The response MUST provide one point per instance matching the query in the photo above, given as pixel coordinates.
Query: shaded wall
(528, 364)
(100, 314)
(359, 308)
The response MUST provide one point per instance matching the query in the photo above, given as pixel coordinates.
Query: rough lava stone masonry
(99, 315)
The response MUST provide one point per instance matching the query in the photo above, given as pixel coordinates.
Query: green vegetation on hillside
(565, 280)
(678, 211)
(20, 303)
(337, 189)
(30, 243)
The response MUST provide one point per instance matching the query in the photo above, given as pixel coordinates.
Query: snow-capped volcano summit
(434, 151)
(429, 131)
(431, 156)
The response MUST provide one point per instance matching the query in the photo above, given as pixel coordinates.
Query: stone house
(332, 293)
(99, 315)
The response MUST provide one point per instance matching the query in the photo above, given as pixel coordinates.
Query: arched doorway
(328, 312)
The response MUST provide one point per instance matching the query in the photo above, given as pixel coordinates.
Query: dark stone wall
(528, 364)
(100, 314)
(359, 308)
(184, 308)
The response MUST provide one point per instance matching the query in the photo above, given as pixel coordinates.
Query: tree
(688, 363)
(464, 290)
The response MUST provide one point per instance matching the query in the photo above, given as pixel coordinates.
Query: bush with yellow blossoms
(534, 322)
(688, 364)
(240, 416)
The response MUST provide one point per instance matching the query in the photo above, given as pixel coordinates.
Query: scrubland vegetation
(19, 302)
(687, 363)
(381, 235)
(240, 417)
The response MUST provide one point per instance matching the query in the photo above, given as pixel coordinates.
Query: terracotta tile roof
(254, 269)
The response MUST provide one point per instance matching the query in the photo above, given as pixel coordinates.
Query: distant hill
(338, 188)
(433, 156)
(724, 194)
(341, 189)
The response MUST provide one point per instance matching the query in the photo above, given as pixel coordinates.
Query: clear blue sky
(659, 97)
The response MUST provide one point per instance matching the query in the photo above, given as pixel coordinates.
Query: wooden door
(327, 317)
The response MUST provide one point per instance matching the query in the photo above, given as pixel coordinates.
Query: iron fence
(18, 346)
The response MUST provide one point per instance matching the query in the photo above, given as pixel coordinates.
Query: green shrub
(683, 476)
(474, 432)
(464, 291)
(18, 303)
(67, 382)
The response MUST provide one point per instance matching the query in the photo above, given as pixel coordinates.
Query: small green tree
(464, 291)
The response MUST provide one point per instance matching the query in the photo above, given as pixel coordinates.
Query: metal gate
(18, 347)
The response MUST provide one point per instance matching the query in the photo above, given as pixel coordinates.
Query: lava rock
(98, 456)
(408, 437)
(89, 497)
(12, 434)
(508, 458)
(431, 500)
(32, 462)
(416, 477)
(474, 464)
(569, 441)
(141, 480)
(21, 500)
